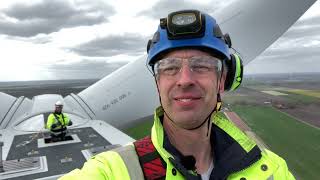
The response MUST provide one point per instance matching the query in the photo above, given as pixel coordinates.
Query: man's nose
(185, 77)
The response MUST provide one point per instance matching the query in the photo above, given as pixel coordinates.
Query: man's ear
(222, 82)
(156, 80)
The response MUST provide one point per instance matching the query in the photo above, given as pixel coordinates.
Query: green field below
(238, 99)
(312, 93)
(140, 130)
(294, 97)
(296, 142)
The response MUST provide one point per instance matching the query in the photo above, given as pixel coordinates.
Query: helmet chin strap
(218, 104)
(216, 110)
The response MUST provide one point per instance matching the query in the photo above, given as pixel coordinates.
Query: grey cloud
(284, 65)
(304, 28)
(297, 42)
(291, 55)
(51, 16)
(162, 8)
(131, 44)
(302, 45)
(315, 20)
(38, 39)
(292, 58)
(45, 10)
(85, 69)
(293, 52)
(41, 39)
(302, 32)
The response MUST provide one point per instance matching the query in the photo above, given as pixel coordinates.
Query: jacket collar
(233, 150)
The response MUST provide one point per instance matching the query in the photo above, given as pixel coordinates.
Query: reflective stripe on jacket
(241, 158)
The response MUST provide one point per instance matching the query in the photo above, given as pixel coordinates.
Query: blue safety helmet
(188, 28)
(191, 28)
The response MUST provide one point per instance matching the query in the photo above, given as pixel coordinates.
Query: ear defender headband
(193, 29)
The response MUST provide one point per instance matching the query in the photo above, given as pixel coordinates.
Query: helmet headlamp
(183, 19)
(184, 24)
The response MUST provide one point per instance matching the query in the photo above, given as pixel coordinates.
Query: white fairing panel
(129, 93)
(23, 110)
(12, 108)
(34, 123)
(43, 103)
(255, 24)
(75, 106)
(6, 103)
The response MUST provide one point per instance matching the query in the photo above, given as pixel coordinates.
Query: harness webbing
(150, 160)
(58, 121)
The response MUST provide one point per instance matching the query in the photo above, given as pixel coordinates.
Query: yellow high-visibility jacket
(60, 120)
(237, 157)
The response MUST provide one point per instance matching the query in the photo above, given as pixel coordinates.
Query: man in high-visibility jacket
(57, 122)
(191, 63)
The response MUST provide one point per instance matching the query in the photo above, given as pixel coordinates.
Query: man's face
(187, 97)
(58, 109)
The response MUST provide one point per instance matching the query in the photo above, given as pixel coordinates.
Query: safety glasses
(198, 65)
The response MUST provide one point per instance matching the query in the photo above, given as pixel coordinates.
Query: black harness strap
(57, 118)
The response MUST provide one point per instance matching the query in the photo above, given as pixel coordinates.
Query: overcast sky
(68, 39)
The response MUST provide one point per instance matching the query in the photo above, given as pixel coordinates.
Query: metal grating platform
(23, 167)
(61, 158)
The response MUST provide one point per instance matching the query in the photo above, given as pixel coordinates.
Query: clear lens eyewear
(199, 65)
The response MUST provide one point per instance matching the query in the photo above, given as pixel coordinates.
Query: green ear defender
(234, 74)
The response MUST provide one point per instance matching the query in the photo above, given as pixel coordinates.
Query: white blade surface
(129, 93)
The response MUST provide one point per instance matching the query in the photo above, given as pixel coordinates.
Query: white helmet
(59, 103)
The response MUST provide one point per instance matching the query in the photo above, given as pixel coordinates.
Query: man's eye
(201, 69)
(170, 70)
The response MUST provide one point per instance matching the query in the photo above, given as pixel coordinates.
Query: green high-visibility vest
(123, 163)
(60, 120)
